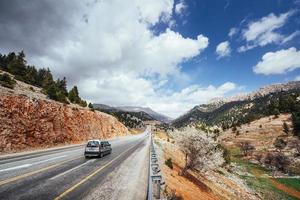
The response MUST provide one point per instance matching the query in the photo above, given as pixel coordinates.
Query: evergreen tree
(31, 75)
(52, 91)
(18, 66)
(296, 121)
(47, 79)
(74, 95)
(62, 85)
(83, 103)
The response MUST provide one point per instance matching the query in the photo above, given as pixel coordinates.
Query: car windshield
(93, 144)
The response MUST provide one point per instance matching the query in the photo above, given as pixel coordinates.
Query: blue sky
(170, 55)
(214, 19)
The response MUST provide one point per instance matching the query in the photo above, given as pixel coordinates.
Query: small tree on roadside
(280, 144)
(246, 147)
(286, 128)
(200, 151)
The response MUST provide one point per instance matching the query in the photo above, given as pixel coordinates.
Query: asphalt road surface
(66, 174)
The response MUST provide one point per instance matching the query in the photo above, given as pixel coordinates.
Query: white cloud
(233, 31)
(115, 58)
(297, 78)
(264, 31)
(278, 62)
(223, 49)
(290, 37)
(180, 7)
(127, 90)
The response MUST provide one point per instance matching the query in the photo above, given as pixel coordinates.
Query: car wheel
(86, 157)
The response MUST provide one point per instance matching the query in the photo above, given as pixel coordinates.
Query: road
(66, 174)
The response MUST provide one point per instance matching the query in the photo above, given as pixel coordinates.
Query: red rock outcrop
(29, 123)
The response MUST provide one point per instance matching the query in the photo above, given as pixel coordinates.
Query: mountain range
(239, 109)
(143, 113)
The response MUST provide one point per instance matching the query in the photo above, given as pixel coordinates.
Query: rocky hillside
(273, 99)
(28, 119)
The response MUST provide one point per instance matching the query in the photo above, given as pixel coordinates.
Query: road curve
(66, 174)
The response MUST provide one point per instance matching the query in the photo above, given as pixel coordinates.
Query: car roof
(98, 140)
(94, 140)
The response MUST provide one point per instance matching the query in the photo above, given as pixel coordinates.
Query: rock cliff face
(29, 123)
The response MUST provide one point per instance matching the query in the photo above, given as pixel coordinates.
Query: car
(97, 148)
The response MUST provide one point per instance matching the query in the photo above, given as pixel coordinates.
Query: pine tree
(62, 85)
(74, 95)
(296, 121)
(17, 66)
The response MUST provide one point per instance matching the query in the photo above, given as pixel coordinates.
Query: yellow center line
(62, 195)
(34, 172)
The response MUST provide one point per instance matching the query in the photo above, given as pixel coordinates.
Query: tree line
(16, 65)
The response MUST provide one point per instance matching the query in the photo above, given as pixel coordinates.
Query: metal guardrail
(155, 177)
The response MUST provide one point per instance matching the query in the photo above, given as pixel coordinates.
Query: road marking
(28, 165)
(72, 169)
(62, 195)
(42, 161)
(16, 167)
(34, 172)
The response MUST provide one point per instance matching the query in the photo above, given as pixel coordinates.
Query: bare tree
(246, 147)
(296, 145)
(201, 151)
(276, 160)
(280, 144)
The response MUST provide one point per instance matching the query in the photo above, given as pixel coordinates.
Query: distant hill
(240, 109)
(131, 119)
(144, 113)
(152, 113)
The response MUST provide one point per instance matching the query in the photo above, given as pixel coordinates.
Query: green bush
(169, 163)
(7, 81)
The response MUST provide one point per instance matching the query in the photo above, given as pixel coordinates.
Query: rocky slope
(261, 92)
(29, 120)
(238, 110)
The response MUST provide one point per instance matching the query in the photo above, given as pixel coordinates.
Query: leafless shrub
(296, 145)
(246, 147)
(277, 161)
(201, 151)
(280, 144)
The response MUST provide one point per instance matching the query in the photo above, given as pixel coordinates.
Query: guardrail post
(155, 178)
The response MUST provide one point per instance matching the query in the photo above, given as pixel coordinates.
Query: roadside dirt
(210, 185)
(184, 187)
